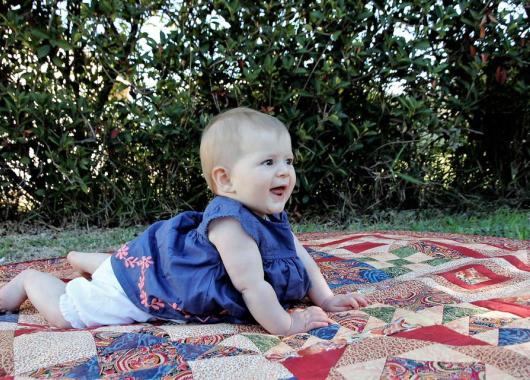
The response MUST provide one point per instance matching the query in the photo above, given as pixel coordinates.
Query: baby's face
(263, 177)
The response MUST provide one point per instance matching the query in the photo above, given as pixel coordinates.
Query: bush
(398, 104)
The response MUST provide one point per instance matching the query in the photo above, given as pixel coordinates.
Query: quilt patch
(443, 306)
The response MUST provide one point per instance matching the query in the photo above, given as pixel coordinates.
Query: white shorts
(99, 302)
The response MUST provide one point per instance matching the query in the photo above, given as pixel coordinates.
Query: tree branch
(121, 66)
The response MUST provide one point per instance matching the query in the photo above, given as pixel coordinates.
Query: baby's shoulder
(224, 215)
(226, 228)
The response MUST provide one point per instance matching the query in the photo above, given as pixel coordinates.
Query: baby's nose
(283, 170)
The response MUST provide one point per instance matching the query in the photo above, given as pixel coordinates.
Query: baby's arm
(320, 293)
(242, 260)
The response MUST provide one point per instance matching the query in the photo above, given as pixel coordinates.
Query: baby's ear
(221, 178)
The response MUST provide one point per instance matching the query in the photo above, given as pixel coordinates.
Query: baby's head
(247, 155)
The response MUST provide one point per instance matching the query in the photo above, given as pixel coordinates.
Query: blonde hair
(222, 139)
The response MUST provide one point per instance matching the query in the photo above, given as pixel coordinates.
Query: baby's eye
(268, 162)
(289, 161)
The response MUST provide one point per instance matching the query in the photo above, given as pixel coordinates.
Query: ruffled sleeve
(224, 207)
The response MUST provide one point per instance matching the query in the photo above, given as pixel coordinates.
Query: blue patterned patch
(341, 282)
(87, 370)
(513, 336)
(374, 275)
(192, 351)
(327, 332)
(132, 340)
(317, 254)
(9, 318)
(347, 272)
(413, 369)
(358, 264)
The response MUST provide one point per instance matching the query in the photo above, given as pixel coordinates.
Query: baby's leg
(86, 263)
(42, 289)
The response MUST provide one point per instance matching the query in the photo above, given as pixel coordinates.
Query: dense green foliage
(390, 104)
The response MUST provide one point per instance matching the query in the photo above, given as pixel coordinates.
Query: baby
(235, 262)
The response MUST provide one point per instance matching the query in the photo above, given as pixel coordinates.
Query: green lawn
(502, 222)
(51, 242)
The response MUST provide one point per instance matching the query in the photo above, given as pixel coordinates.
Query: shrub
(398, 104)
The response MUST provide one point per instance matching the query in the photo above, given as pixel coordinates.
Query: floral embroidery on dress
(155, 303)
(144, 263)
(122, 252)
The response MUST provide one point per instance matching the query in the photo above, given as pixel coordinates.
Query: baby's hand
(308, 319)
(343, 302)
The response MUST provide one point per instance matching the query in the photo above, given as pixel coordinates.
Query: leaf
(422, 45)
(83, 164)
(316, 16)
(469, 22)
(397, 157)
(335, 120)
(410, 179)
(57, 62)
(335, 36)
(77, 37)
(105, 6)
(39, 34)
(364, 15)
(84, 187)
(43, 51)
(62, 44)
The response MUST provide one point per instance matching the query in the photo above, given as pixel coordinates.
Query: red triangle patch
(313, 366)
(361, 247)
(440, 334)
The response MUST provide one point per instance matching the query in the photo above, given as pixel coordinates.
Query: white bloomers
(99, 302)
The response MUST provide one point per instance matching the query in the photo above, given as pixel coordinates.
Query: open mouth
(279, 190)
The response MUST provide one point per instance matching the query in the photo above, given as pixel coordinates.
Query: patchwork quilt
(443, 306)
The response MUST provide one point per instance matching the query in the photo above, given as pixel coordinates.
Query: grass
(502, 222)
(46, 242)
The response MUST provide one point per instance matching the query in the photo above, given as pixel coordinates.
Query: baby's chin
(275, 210)
(269, 211)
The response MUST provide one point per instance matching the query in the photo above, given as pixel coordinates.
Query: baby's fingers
(317, 315)
(361, 300)
(354, 301)
(316, 325)
(351, 301)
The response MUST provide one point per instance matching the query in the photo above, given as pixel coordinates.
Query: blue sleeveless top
(172, 271)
